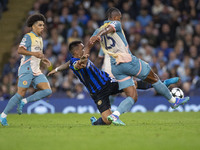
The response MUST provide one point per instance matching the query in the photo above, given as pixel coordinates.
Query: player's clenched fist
(95, 39)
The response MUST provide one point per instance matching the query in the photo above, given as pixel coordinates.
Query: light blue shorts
(125, 71)
(25, 80)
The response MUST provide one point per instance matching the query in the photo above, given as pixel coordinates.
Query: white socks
(24, 100)
(3, 115)
(116, 113)
(172, 100)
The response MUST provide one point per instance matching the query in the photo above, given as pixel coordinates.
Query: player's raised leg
(163, 90)
(170, 81)
(145, 85)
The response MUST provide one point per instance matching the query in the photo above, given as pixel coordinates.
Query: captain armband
(75, 68)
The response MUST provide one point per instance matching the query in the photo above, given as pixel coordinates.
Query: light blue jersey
(106, 62)
(29, 71)
(115, 43)
(31, 64)
(124, 65)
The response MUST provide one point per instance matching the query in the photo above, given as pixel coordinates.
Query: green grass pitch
(149, 131)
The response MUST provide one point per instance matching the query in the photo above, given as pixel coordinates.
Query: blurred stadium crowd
(164, 33)
(3, 6)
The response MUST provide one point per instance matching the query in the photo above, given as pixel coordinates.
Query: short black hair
(110, 11)
(34, 18)
(72, 45)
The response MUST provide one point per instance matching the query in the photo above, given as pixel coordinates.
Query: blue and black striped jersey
(93, 78)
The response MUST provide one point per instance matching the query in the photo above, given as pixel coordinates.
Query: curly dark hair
(34, 18)
(110, 12)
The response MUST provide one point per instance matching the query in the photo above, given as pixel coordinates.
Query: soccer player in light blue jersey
(98, 83)
(31, 49)
(124, 65)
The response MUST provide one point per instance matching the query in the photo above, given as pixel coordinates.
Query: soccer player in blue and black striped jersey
(97, 82)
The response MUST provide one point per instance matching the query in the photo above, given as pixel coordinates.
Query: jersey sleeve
(95, 32)
(116, 25)
(26, 42)
(101, 53)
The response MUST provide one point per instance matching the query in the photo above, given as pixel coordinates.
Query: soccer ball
(177, 92)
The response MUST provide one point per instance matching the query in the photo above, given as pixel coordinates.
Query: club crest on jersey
(23, 42)
(25, 82)
(99, 102)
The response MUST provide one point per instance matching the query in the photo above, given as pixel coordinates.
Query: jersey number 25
(107, 38)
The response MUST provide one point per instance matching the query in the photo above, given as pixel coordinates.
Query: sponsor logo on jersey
(114, 23)
(37, 48)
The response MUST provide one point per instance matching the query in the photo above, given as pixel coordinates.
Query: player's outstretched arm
(82, 62)
(59, 68)
(108, 29)
(96, 38)
(92, 41)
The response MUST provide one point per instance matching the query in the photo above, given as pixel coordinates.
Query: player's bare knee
(22, 92)
(135, 97)
(135, 84)
(155, 77)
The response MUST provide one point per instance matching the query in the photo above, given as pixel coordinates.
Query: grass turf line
(74, 132)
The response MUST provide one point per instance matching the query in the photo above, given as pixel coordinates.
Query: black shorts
(101, 98)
